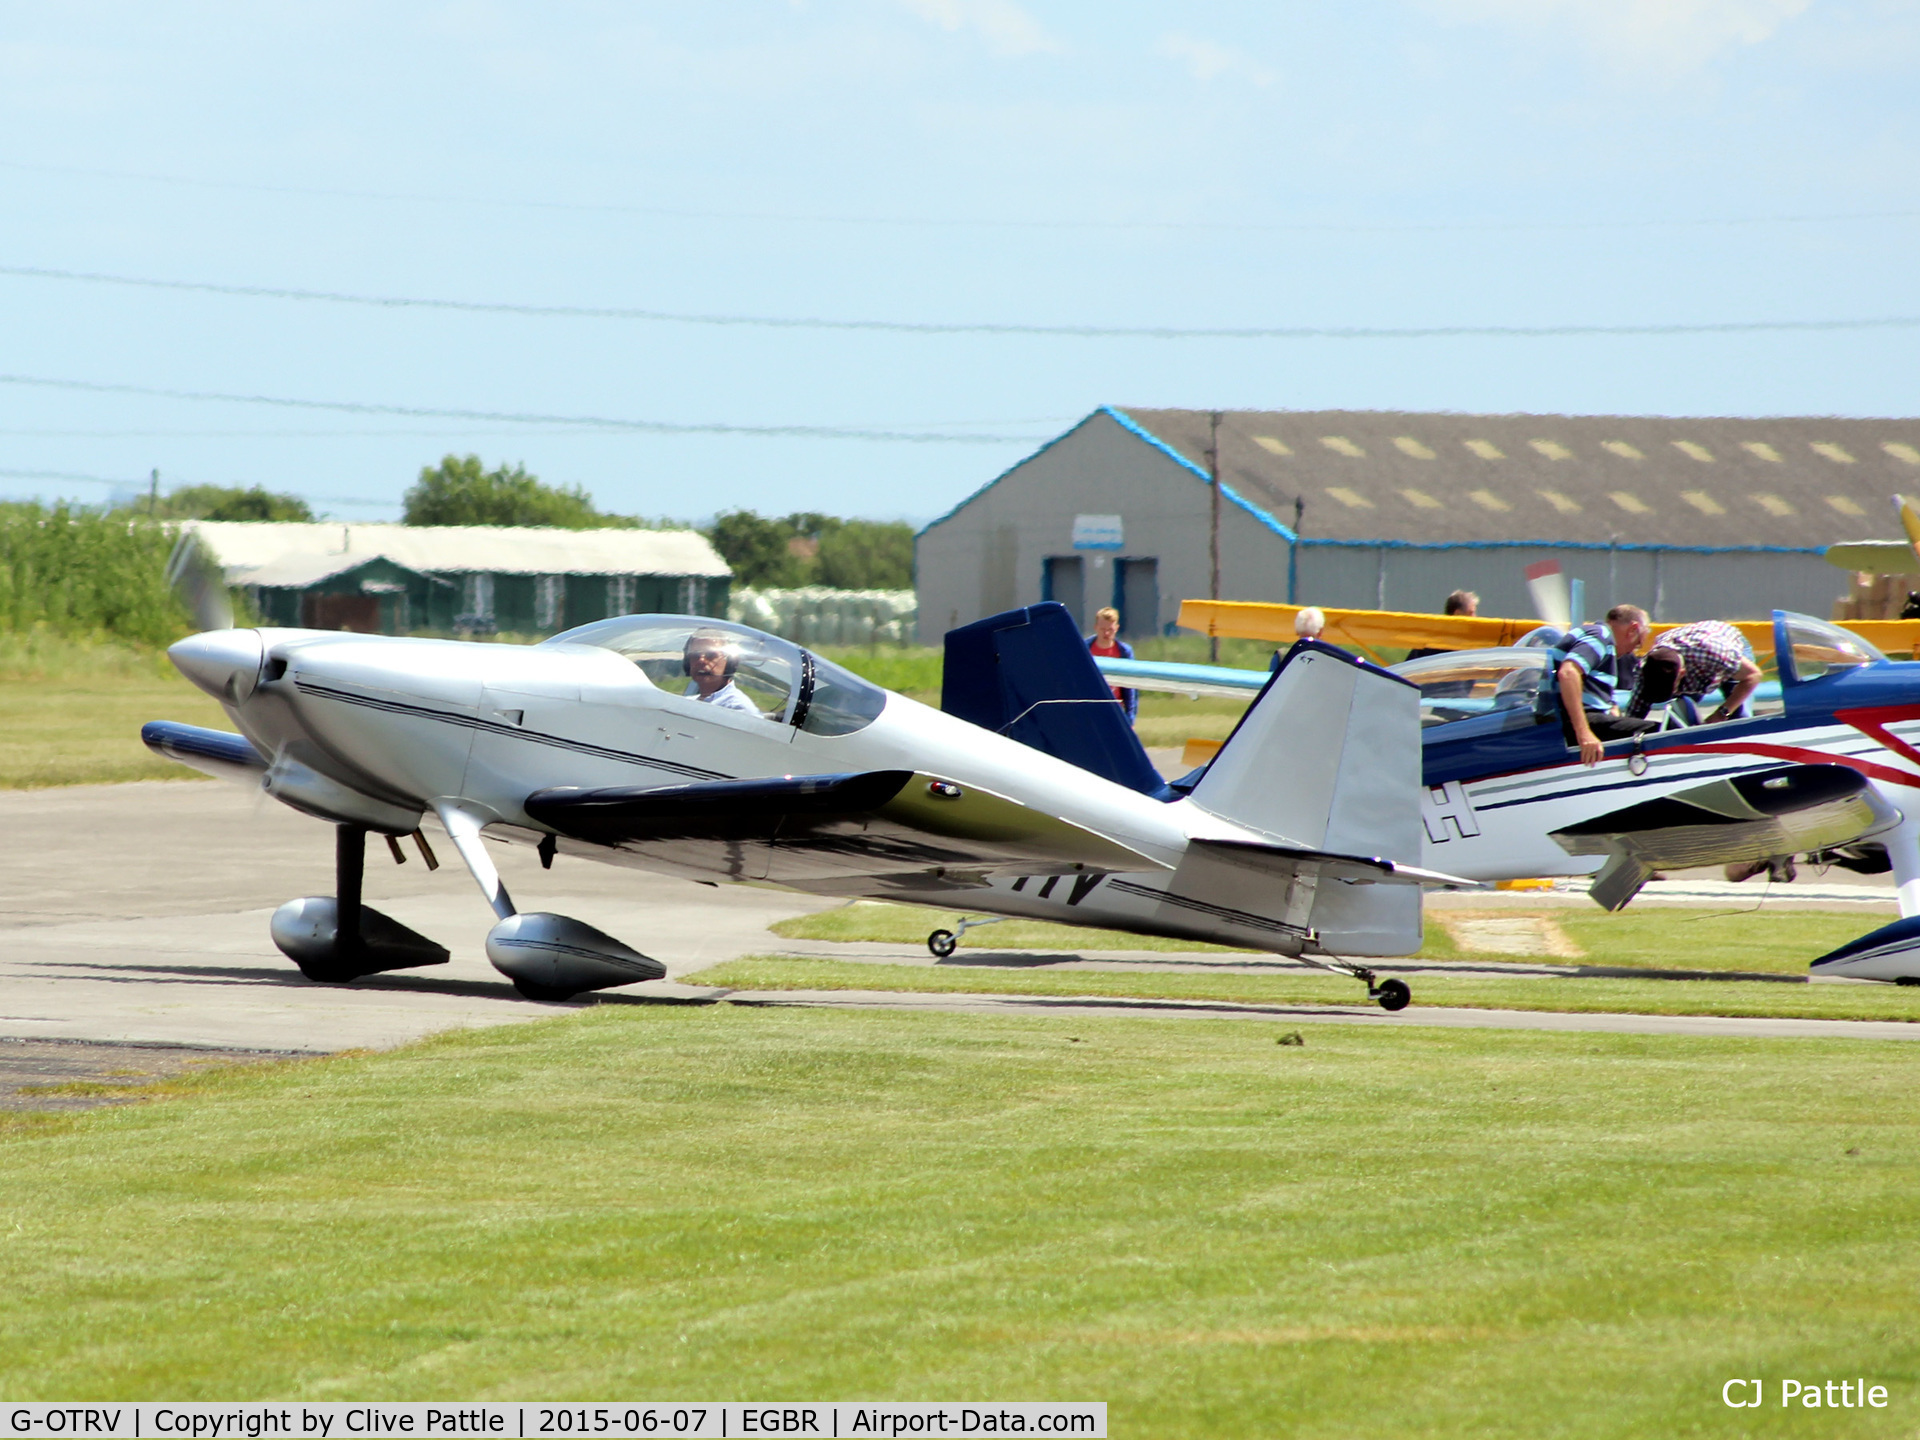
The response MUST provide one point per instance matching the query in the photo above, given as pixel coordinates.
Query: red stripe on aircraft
(1884, 774)
(1874, 721)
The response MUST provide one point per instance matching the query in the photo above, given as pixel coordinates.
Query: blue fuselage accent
(1507, 742)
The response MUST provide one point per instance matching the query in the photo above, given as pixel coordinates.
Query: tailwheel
(1392, 994)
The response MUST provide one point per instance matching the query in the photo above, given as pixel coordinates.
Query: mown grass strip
(1371, 1233)
(1655, 939)
(87, 732)
(1581, 995)
(911, 924)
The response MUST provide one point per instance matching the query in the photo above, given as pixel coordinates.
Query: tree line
(805, 548)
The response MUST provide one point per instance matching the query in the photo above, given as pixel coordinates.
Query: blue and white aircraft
(1830, 769)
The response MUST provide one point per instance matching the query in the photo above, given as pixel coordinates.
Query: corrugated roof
(243, 546)
(1633, 479)
(296, 571)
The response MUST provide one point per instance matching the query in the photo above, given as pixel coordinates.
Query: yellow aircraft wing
(1359, 629)
(1884, 557)
(1372, 631)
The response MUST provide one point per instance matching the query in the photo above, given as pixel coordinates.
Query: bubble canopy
(782, 682)
(1818, 647)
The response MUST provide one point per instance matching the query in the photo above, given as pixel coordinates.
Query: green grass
(913, 670)
(1780, 941)
(1372, 1233)
(1166, 720)
(911, 924)
(1754, 998)
(1786, 941)
(71, 711)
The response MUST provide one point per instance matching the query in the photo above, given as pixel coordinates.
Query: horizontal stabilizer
(219, 753)
(828, 830)
(1355, 869)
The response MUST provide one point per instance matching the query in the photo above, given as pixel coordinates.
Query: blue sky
(1372, 164)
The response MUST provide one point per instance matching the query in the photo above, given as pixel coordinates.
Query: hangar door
(1136, 595)
(1064, 578)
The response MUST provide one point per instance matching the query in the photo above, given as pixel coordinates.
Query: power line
(140, 483)
(67, 475)
(941, 327)
(583, 422)
(760, 217)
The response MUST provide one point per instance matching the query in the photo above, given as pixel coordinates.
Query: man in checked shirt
(1712, 656)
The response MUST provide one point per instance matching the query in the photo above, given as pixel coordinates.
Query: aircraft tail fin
(1327, 758)
(1027, 674)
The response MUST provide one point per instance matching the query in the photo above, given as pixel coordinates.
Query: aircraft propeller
(194, 576)
(1552, 601)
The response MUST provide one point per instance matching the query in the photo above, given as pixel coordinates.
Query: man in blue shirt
(1582, 671)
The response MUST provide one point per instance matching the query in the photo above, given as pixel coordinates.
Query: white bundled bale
(816, 615)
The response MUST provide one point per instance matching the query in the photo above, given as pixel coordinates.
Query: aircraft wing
(1875, 557)
(1782, 811)
(1373, 631)
(1369, 630)
(1189, 680)
(1884, 557)
(824, 831)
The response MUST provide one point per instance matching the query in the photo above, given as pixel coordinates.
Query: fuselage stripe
(492, 727)
(1238, 917)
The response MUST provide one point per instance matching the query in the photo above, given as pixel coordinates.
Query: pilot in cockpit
(710, 659)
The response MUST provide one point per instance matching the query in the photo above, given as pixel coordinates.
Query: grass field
(72, 709)
(1584, 995)
(1783, 941)
(71, 712)
(1408, 1233)
(911, 924)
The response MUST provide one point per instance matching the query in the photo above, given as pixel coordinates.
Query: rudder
(1326, 758)
(1026, 674)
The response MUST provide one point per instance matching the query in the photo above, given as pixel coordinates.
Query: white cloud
(1007, 29)
(1663, 35)
(1205, 60)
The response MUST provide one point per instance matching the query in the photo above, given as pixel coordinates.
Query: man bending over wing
(1712, 656)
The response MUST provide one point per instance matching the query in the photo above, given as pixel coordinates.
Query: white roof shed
(247, 549)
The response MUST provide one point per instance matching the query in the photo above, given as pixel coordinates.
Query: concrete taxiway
(137, 915)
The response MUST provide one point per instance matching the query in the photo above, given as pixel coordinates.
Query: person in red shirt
(1106, 640)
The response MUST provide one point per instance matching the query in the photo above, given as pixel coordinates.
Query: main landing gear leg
(349, 870)
(1903, 850)
(335, 939)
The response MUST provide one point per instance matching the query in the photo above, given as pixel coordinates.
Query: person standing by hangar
(1106, 641)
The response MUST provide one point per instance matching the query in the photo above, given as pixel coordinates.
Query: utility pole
(1213, 540)
(1293, 550)
(153, 495)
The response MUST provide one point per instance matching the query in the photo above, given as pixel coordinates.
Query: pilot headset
(723, 643)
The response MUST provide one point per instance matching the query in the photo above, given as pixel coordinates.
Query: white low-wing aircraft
(713, 751)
